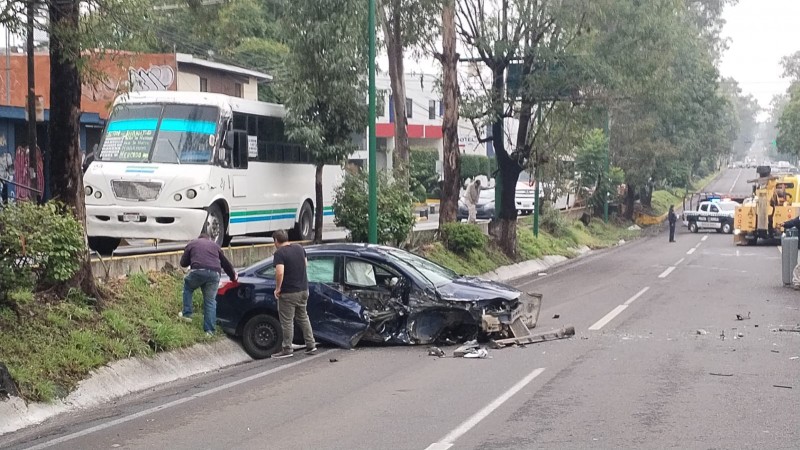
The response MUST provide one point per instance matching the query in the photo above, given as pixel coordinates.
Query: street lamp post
(373, 167)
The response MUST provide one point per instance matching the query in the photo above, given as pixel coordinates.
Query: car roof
(350, 247)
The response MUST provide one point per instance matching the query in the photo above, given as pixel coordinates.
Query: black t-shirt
(293, 258)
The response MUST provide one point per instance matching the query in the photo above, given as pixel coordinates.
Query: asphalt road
(733, 182)
(648, 368)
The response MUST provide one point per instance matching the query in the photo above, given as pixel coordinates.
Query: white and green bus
(171, 164)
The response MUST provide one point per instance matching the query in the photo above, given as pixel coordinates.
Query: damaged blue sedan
(369, 293)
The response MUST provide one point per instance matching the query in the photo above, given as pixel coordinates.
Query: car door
(337, 318)
(702, 218)
(713, 218)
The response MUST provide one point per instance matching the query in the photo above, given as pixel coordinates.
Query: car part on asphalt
(535, 338)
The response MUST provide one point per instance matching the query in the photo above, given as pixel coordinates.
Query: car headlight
(177, 197)
(98, 194)
(87, 190)
(191, 193)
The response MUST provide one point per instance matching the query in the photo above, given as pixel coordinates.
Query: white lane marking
(737, 253)
(608, 318)
(666, 273)
(691, 250)
(735, 181)
(638, 294)
(679, 262)
(173, 403)
(704, 238)
(447, 441)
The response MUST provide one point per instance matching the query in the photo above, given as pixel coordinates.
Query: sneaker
(184, 318)
(209, 334)
(311, 351)
(285, 353)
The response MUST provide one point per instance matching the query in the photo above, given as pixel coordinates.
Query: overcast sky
(760, 33)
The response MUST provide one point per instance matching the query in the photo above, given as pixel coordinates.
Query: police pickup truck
(715, 215)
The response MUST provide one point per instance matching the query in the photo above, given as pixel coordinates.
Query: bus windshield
(174, 134)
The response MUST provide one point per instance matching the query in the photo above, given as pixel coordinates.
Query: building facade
(112, 74)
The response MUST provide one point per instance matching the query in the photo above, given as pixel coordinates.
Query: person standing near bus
(205, 260)
(291, 291)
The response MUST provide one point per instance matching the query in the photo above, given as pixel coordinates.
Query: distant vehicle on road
(484, 210)
(368, 293)
(171, 164)
(715, 215)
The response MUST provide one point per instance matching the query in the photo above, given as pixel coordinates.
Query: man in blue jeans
(206, 261)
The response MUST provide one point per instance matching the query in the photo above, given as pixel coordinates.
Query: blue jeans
(208, 282)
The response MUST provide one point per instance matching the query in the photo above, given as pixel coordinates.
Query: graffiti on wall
(156, 78)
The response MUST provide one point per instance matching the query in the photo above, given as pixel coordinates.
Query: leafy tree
(325, 92)
(788, 139)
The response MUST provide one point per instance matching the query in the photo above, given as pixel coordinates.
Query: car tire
(693, 227)
(726, 228)
(216, 226)
(262, 336)
(304, 227)
(103, 245)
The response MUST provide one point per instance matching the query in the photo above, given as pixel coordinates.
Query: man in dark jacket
(672, 219)
(206, 261)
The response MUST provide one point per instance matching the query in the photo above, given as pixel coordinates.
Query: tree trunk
(451, 187)
(65, 102)
(630, 200)
(504, 225)
(392, 31)
(318, 211)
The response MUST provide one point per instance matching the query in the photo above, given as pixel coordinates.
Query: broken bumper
(517, 322)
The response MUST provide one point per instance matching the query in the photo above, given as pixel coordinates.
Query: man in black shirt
(206, 261)
(291, 291)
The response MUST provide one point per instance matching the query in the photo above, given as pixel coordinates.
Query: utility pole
(31, 94)
(373, 141)
(536, 202)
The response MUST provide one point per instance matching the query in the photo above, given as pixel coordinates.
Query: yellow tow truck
(775, 200)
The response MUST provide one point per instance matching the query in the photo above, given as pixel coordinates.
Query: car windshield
(434, 273)
(727, 206)
(176, 134)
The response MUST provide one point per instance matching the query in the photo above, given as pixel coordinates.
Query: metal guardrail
(6, 181)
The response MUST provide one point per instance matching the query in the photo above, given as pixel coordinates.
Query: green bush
(474, 165)
(351, 208)
(553, 221)
(462, 238)
(40, 246)
(424, 178)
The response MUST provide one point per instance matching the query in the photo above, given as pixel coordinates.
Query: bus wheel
(304, 227)
(215, 225)
(103, 245)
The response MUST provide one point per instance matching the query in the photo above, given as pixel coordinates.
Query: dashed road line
(704, 238)
(679, 262)
(733, 186)
(173, 403)
(638, 294)
(691, 250)
(608, 318)
(666, 273)
(447, 441)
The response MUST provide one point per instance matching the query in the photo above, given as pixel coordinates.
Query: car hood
(470, 289)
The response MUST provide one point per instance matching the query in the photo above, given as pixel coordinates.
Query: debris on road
(436, 351)
(535, 338)
(479, 353)
(556, 316)
(702, 332)
(741, 335)
(467, 347)
(781, 386)
(741, 317)
(333, 360)
(721, 374)
(774, 351)
(794, 358)
(722, 335)
(634, 227)
(795, 329)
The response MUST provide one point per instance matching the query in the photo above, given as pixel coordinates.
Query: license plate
(130, 217)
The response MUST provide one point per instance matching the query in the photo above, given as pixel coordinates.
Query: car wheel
(304, 227)
(693, 227)
(216, 226)
(262, 336)
(103, 245)
(727, 228)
